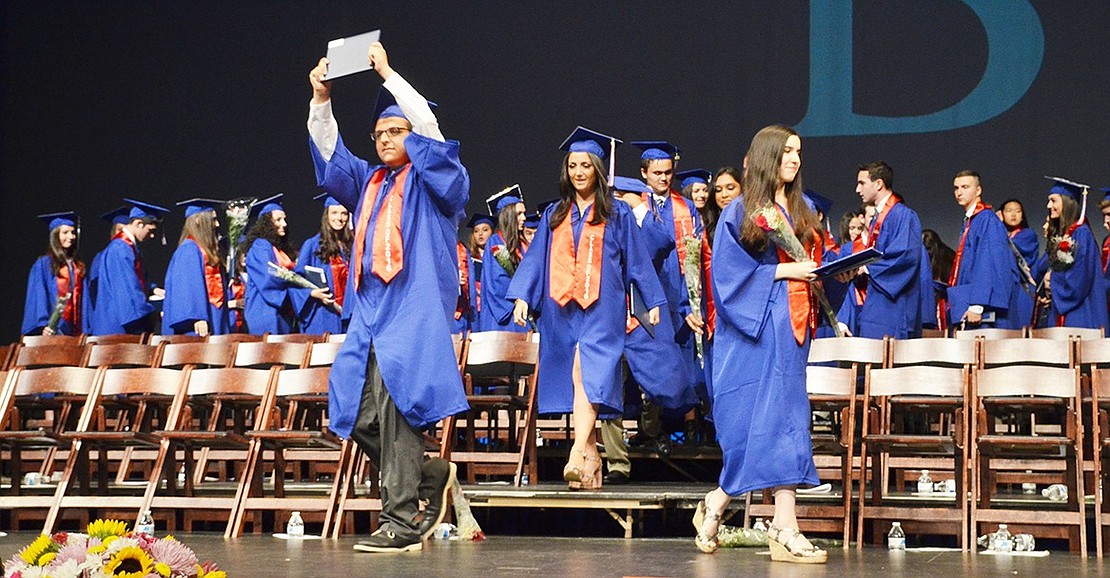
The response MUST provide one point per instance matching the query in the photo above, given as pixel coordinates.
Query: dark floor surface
(270, 557)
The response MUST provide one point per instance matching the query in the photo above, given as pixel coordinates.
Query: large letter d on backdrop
(1015, 51)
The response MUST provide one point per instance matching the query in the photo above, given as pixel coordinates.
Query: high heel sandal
(593, 480)
(786, 548)
(572, 473)
(705, 542)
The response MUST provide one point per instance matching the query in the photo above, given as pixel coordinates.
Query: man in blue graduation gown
(119, 286)
(891, 286)
(981, 290)
(395, 374)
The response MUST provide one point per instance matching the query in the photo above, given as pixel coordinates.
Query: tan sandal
(785, 547)
(706, 543)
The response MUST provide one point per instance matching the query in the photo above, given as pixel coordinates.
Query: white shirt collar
(127, 232)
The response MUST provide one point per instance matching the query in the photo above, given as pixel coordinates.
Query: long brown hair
(201, 227)
(507, 223)
(334, 243)
(264, 228)
(1069, 214)
(712, 211)
(59, 256)
(603, 201)
(761, 181)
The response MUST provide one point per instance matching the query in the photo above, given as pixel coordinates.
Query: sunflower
(105, 528)
(130, 562)
(34, 553)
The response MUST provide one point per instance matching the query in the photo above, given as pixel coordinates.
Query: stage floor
(270, 557)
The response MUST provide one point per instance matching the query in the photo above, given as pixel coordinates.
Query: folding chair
(38, 340)
(836, 366)
(37, 407)
(141, 400)
(6, 355)
(236, 338)
(1052, 394)
(323, 354)
(291, 355)
(888, 398)
(160, 339)
(337, 338)
(1067, 333)
(989, 333)
(216, 409)
(1095, 355)
(32, 356)
(116, 338)
(296, 338)
(179, 355)
(298, 438)
(119, 355)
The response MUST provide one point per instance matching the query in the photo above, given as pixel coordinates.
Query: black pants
(395, 447)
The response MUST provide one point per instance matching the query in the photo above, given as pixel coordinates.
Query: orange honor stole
(388, 256)
(799, 298)
(575, 274)
(683, 222)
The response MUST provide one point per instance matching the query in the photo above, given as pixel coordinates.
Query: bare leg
(584, 416)
(786, 513)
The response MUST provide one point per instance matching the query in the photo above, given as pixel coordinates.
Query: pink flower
(761, 222)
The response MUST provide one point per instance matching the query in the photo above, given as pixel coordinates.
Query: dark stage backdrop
(171, 100)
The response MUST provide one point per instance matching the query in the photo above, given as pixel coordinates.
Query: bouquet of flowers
(56, 313)
(1062, 254)
(293, 278)
(468, 525)
(691, 270)
(108, 549)
(770, 220)
(237, 213)
(501, 253)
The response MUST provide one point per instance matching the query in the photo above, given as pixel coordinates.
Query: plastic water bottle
(1024, 543)
(1003, 542)
(1029, 487)
(524, 479)
(539, 438)
(924, 483)
(896, 539)
(145, 525)
(1056, 492)
(295, 527)
(759, 525)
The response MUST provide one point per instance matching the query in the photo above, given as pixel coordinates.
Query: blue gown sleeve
(42, 291)
(437, 165)
(120, 289)
(1072, 286)
(659, 239)
(984, 277)
(186, 290)
(638, 267)
(1028, 245)
(343, 176)
(303, 303)
(530, 279)
(272, 290)
(900, 243)
(495, 284)
(742, 285)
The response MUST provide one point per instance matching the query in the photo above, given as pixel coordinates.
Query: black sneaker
(384, 541)
(437, 475)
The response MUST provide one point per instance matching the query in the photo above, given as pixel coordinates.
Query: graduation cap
(656, 150)
(1066, 188)
(328, 200)
(267, 206)
(143, 210)
(479, 218)
(55, 220)
(584, 140)
(817, 202)
(542, 207)
(629, 185)
(507, 196)
(118, 216)
(687, 178)
(194, 206)
(1106, 193)
(532, 220)
(386, 106)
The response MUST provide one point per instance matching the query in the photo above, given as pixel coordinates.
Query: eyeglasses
(393, 132)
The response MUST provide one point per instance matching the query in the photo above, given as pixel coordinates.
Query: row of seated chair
(982, 412)
(126, 434)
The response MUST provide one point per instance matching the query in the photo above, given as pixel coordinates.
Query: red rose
(761, 222)
(1065, 246)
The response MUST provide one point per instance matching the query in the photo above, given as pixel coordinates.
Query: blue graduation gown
(497, 312)
(187, 294)
(88, 304)
(406, 322)
(599, 331)
(760, 405)
(1079, 292)
(893, 303)
(42, 295)
(270, 301)
(121, 293)
(314, 317)
(985, 276)
(1027, 244)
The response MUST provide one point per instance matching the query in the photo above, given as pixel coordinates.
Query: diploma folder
(315, 275)
(347, 56)
(849, 263)
(638, 310)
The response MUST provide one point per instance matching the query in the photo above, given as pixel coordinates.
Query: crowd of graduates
(676, 289)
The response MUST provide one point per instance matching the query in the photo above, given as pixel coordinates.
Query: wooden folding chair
(38, 340)
(120, 355)
(180, 355)
(299, 440)
(160, 339)
(337, 337)
(989, 333)
(1052, 394)
(236, 338)
(217, 408)
(37, 408)
(296, 338)
(323, 354)
(63, 354)
(261, 354)
(1067, 333)
(116, 338)
(890, 395)
(140, 402)
(6, 355)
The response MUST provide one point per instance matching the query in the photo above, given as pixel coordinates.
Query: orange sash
(213, 279)
(463, 258)
(872, 238)
(138, 257)
(575, 274)
(338, 278)
(72, 310)
(283, 260)
(683, 222)
(800, 301)
(388, 258)
(707, 286)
